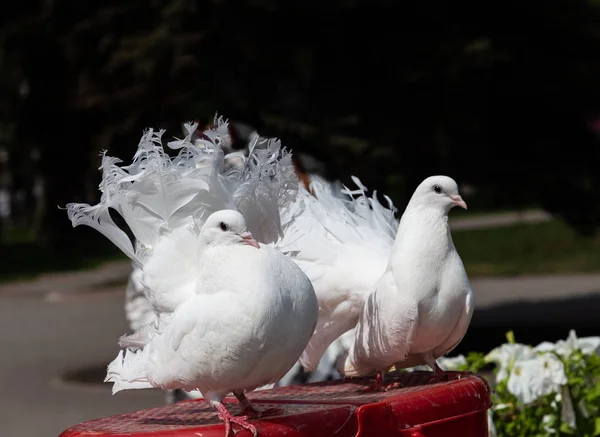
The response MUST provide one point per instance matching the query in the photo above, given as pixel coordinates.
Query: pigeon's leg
(229, 418)
(391, 386)
(247, 407)
(177, 395)
(250, 411)
(376, 385)
(379, 385)
(439, 375)
(379, 381)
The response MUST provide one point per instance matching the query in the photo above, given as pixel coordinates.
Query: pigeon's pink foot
(229, 418)
(439, 375)
(249, 410)
(253, 413)
(376, 385)
(393, 386)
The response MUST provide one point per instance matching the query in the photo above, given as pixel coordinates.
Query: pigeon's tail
(347, 365)
(337, 220)
(138, 310)
(157, 193)
(348, 369)
(332, 234)
(140, 338)
(127, 371)
(328, 337)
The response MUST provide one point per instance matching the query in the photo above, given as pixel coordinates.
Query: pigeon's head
(226, 228)
(438, 191)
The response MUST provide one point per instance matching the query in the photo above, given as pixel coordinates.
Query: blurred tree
(497, 95)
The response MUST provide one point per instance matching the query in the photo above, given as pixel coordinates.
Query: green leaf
(596, 426)
(510, 337)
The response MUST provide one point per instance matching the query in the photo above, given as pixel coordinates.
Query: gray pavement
(42, 340)
(498, 220)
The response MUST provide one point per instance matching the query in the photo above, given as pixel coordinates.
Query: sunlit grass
(549, 247)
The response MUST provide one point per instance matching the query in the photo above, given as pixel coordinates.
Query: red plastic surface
(339, 408)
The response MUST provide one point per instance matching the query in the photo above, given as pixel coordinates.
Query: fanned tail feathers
(336, 221)
(127, 371)
(156, 194)
(331, 234)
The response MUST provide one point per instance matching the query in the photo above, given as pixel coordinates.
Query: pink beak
(249, 240)
(458, 201)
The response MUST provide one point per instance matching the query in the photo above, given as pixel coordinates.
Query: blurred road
(44, 337)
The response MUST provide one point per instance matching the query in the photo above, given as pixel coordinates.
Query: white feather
(342, 240)
(156, 193)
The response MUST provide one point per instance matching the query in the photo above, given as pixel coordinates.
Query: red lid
(340, 408)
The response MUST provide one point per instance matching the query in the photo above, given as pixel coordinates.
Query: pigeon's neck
(423, 238)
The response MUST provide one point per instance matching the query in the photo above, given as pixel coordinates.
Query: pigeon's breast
(279, 303)
(440, 311)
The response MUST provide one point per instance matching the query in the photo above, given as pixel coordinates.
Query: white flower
(532, 378)
(549, 423)
(423, 367)
(506, 355)
(452, 363)
(587, 345)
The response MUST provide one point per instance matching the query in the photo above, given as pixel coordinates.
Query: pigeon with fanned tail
(226, 337)
(349, 247)
(342, 240)
(421, 307)
(207, 290)
(234, 183)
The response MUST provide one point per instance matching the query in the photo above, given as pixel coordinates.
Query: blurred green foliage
(550, 247)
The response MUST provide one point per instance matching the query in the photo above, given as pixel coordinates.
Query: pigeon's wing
(193, 344)
(382, 337)
(329, 328)
(342, 241)
(461, 328)
(204, 328)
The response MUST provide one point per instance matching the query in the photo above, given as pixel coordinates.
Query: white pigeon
(259, 182)
(244, 324)
(165, 201)
(421, 307)
(342, 240)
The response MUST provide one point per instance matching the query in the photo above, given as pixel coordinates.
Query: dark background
(503, 96)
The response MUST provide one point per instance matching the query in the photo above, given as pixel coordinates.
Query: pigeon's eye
(223, 226)
(437, 189)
